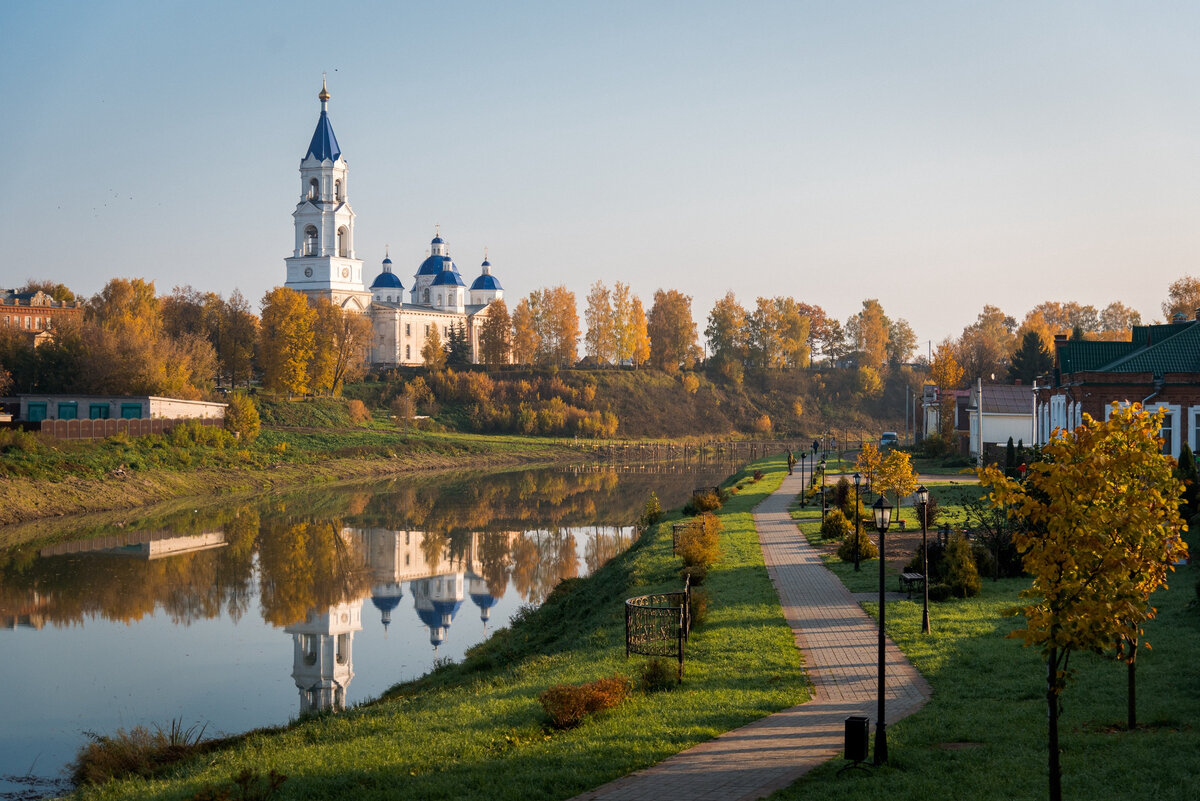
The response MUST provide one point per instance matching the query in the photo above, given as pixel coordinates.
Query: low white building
(35, 408)
(1005, 411)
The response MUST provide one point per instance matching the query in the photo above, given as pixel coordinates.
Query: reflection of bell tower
(437, 600)
(481, 596)
(322, 656)
(385, 557)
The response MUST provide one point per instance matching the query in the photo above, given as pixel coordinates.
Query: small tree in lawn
(868, 464)
(1099, 530)
(896, 475)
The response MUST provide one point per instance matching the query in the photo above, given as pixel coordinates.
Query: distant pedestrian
(791, 461)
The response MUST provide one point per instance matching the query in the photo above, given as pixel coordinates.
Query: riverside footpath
(839, 643)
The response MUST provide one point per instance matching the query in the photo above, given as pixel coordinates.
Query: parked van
(888, 439)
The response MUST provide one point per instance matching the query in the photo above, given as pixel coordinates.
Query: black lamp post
(857, 519)
(822, 493)
(883, 518)
(803, 492)
(923, 505)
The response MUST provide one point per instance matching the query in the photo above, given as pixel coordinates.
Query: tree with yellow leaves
(286, 341)
(946, 374)
(1098, 528)
(868, 464)
(896, 475)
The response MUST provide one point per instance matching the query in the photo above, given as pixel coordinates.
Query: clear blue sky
(938, 156)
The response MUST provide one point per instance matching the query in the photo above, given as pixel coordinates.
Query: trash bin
(858, 730)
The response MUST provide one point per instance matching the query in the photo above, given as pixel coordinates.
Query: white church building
(324, 265)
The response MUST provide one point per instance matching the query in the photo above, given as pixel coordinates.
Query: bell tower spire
(323, 263)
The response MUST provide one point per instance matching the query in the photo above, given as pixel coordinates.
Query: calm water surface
(250, 614)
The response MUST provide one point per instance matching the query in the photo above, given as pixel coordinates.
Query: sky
(936, 156)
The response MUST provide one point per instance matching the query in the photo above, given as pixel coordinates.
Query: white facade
(324, 265)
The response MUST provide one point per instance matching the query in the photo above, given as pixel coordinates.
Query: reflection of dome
(386, 599)
(485, 601)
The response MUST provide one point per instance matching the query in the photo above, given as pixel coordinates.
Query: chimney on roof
(1197, 315)
(1060, 337)
(1178, 317)
(1017, 382)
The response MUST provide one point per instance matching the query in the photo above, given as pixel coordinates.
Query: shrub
(137, 752)
(866, 548)
(758, 474)
(249, 785)
(959, 568)
(568, 704)
(698, 544)
(242, 419)
(936, 554)
(701, 502)
(696, 574)
(985, 563)
(762, 425)
(651, 513)
(939, 592)
(690, 383)
(836, 526)
(698, 607)
(659, 674)
(358, 412)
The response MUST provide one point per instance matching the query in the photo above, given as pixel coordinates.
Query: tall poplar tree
(600, 340)
(286, 342)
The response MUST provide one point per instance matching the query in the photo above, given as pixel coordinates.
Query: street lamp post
(883, 518)
(923, 504)
(857, 519)
(822, 494)
(803, 492)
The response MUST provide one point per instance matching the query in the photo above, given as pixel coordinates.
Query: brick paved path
(839, 643)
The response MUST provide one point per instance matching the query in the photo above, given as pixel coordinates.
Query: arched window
(337, 190)
(343, 243)
(427, 295)
(314, 189)
(311, 241)
(439, 299)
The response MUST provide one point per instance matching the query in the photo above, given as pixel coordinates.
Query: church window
(337, 190)
(408, 351)
(310, 241)
(308, 646)
(408, 329)
(343, 648)
(343, 243)
(427, 329)
(439, 299)
(427, 298)
(314, 189)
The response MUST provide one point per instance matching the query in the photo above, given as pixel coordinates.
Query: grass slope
(476, 730)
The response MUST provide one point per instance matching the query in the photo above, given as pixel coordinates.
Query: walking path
(839, 643)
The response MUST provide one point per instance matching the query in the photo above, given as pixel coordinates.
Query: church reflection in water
(323, 644)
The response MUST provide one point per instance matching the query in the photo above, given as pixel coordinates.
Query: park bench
(910, 581)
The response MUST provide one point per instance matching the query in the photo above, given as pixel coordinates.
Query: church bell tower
(323, 264)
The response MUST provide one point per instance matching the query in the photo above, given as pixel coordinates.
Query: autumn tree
(902, 341)
(600, 341)
(868, 331)
(623, 322)
(982, 350)
(60, 292)
(495, 337)
(238, 335)
(672, 330)
(726, 330)
(640, 334)
(341, 342)
(819, 324)
(525, 341)
(896, 475)
(1030, 360)
(1117, 318)
(286, 342)
(432, 351)
(1098, 528)
(556, 320)
(1183, 297)
(868, 463)
(946, 375)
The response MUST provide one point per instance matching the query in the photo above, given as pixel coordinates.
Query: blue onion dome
(448, 277)
(486, 282)
(387, 279)
(437, 240)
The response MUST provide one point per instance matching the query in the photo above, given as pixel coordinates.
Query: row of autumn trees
(133, 341)
(779, 332)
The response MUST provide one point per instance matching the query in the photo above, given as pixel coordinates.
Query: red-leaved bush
(568, 704)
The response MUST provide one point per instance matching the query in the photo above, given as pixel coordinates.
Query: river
(247, 614)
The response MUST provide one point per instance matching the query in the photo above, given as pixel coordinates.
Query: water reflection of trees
(514, 525)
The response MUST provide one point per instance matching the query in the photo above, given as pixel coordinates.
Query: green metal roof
(1179, 352)
(1075, 356)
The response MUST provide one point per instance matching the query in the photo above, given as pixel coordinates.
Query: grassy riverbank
(982, 735)
(48, 478)
(476, 730)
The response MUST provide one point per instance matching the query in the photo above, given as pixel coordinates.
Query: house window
(1165, 432)
(37, 412)
(131, 411)
(98, 411)
(68, 410)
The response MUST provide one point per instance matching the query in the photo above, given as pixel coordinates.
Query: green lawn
(982, 736)
(476, 730)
